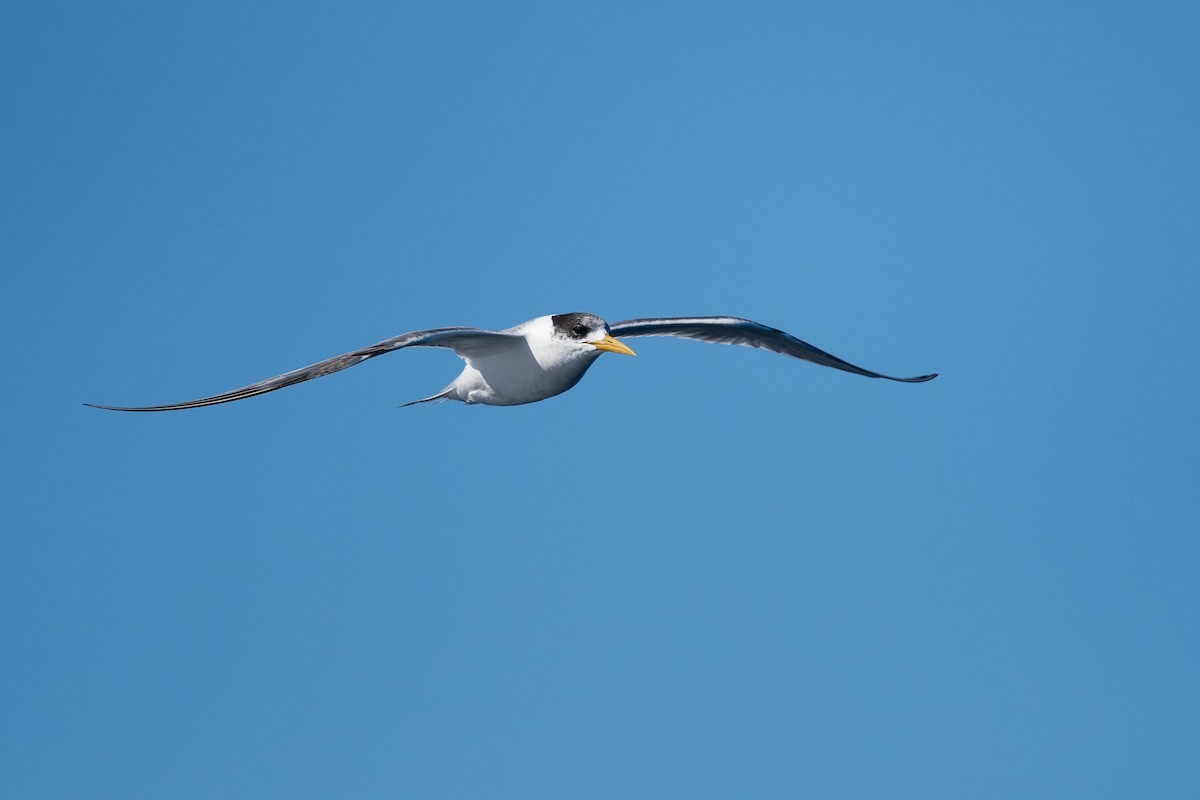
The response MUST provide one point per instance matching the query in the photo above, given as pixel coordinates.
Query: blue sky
(704, 572)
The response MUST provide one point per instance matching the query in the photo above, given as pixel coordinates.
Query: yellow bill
(612, 345)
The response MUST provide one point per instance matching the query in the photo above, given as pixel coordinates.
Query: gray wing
(733, 330)
(467, 342)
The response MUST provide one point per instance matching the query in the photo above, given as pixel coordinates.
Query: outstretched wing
(733, 330)
(467, 342)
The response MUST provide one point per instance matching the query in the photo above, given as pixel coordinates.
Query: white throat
(541, 365)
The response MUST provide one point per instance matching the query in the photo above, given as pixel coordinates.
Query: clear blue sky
(704, 572)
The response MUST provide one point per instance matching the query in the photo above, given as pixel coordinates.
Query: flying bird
(539, 358)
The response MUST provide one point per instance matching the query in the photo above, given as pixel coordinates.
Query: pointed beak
(612, 345)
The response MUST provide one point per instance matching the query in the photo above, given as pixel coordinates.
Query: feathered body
(540, 358)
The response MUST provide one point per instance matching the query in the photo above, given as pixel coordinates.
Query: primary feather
(539, 358)
(747, 333)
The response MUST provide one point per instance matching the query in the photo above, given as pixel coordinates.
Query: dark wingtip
(118, 408)
(918, 379)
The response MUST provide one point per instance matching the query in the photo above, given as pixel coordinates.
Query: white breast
(537, 366)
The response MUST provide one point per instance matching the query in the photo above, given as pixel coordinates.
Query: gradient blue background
(706, 571)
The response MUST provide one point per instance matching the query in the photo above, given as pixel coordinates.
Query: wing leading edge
(747, 333)
(464, 341)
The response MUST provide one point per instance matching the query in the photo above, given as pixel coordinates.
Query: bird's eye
(579, 331)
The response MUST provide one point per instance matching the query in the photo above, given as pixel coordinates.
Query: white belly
(515, 377)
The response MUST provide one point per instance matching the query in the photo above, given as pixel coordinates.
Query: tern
(540, 358)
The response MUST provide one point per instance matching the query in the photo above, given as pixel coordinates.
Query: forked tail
(445, 394)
